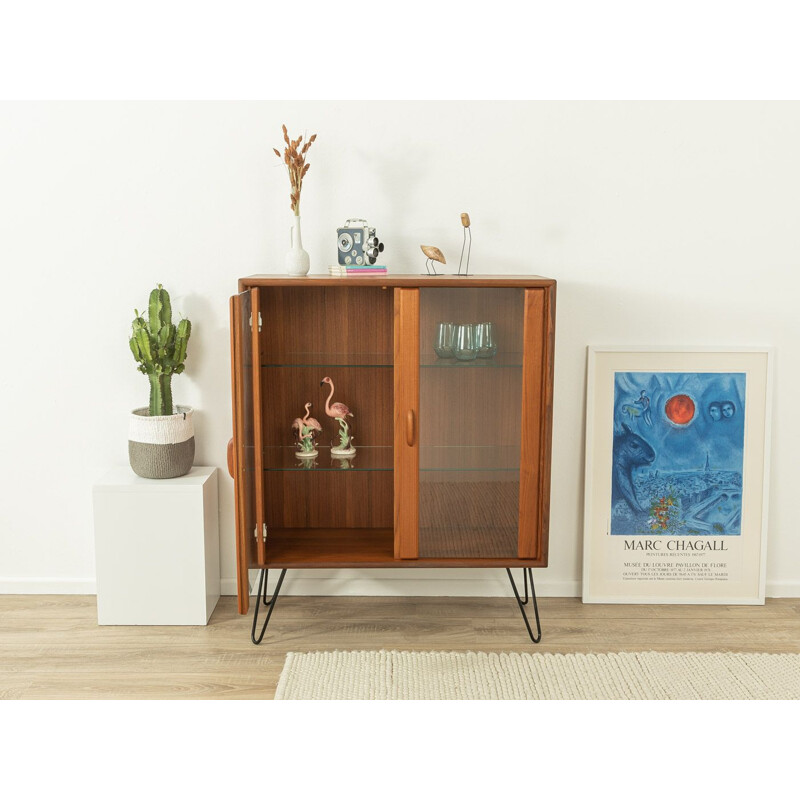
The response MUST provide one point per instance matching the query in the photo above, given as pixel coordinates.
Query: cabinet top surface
(534, 281)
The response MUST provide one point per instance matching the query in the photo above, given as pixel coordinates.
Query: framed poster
(677, 457)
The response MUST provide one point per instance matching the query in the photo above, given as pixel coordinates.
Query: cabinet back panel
(340, 320)
(471, 407)
(346, 333)
(347, 499)
(366, 391)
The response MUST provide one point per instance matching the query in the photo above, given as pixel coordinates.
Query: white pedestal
(156, 548)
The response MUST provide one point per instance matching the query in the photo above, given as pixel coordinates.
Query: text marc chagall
(675, 545)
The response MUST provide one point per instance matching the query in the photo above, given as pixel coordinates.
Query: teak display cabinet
(452, 463)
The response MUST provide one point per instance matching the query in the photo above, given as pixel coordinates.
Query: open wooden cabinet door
(246, 456)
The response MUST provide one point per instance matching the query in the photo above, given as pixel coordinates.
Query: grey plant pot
(161, 447)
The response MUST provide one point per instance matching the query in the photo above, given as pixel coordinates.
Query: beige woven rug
(395, 675)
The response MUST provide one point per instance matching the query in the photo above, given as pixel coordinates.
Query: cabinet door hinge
(263, 533)
(260, 321)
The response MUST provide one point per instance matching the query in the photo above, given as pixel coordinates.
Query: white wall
(664, 223)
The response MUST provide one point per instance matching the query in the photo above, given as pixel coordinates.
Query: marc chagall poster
(675, 487)
(677, 454)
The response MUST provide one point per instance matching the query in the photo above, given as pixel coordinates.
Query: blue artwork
(677, 453)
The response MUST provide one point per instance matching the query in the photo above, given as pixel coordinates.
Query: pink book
(366, 272)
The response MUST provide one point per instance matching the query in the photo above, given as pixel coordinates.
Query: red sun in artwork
(680, 409)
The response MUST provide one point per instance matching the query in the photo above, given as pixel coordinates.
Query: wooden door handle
(410, 428)
(231, 467)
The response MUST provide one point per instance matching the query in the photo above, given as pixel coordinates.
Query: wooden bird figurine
(467, 230)
(433, 254)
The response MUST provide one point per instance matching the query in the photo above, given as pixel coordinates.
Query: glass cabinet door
(471, 344)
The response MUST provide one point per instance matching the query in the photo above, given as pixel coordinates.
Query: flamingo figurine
(305, 428)
(310, 422)
(340, 412)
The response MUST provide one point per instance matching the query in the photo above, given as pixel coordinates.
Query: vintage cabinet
(453, 457)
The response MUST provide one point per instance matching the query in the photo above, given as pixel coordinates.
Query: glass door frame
(406, 423)
(536, 423)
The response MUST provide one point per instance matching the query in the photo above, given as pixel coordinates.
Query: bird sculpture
(467, 230)
(340, 412)
(433, 254)
(305, 429)
(309, 421)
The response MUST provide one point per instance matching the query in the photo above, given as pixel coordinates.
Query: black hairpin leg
(527, 573)
(262, 597)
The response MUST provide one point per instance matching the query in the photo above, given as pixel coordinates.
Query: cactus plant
(160, 349)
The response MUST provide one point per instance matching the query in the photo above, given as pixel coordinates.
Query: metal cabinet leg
(527, 573)
(261, 597)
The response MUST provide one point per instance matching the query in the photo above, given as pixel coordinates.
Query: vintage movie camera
(358, 244)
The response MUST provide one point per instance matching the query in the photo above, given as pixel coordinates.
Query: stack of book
(352, 269)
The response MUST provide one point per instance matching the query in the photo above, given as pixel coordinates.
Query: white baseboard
(399, 583)
(48, 586)
(366, 582)
(783, 589)
(369, 583)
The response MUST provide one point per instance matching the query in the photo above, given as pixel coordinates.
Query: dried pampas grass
(295, 161)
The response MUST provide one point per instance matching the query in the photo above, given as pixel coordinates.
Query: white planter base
(156, 548)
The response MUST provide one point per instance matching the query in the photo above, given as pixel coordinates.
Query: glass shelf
(385, 360)
(366, 459)
(331, 360)
(499, 361)
(381, 459)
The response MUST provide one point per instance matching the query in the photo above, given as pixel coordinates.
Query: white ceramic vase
(297, 261)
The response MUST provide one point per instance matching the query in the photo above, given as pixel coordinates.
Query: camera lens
(380, 247)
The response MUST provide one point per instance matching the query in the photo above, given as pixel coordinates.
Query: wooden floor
(52, 648)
